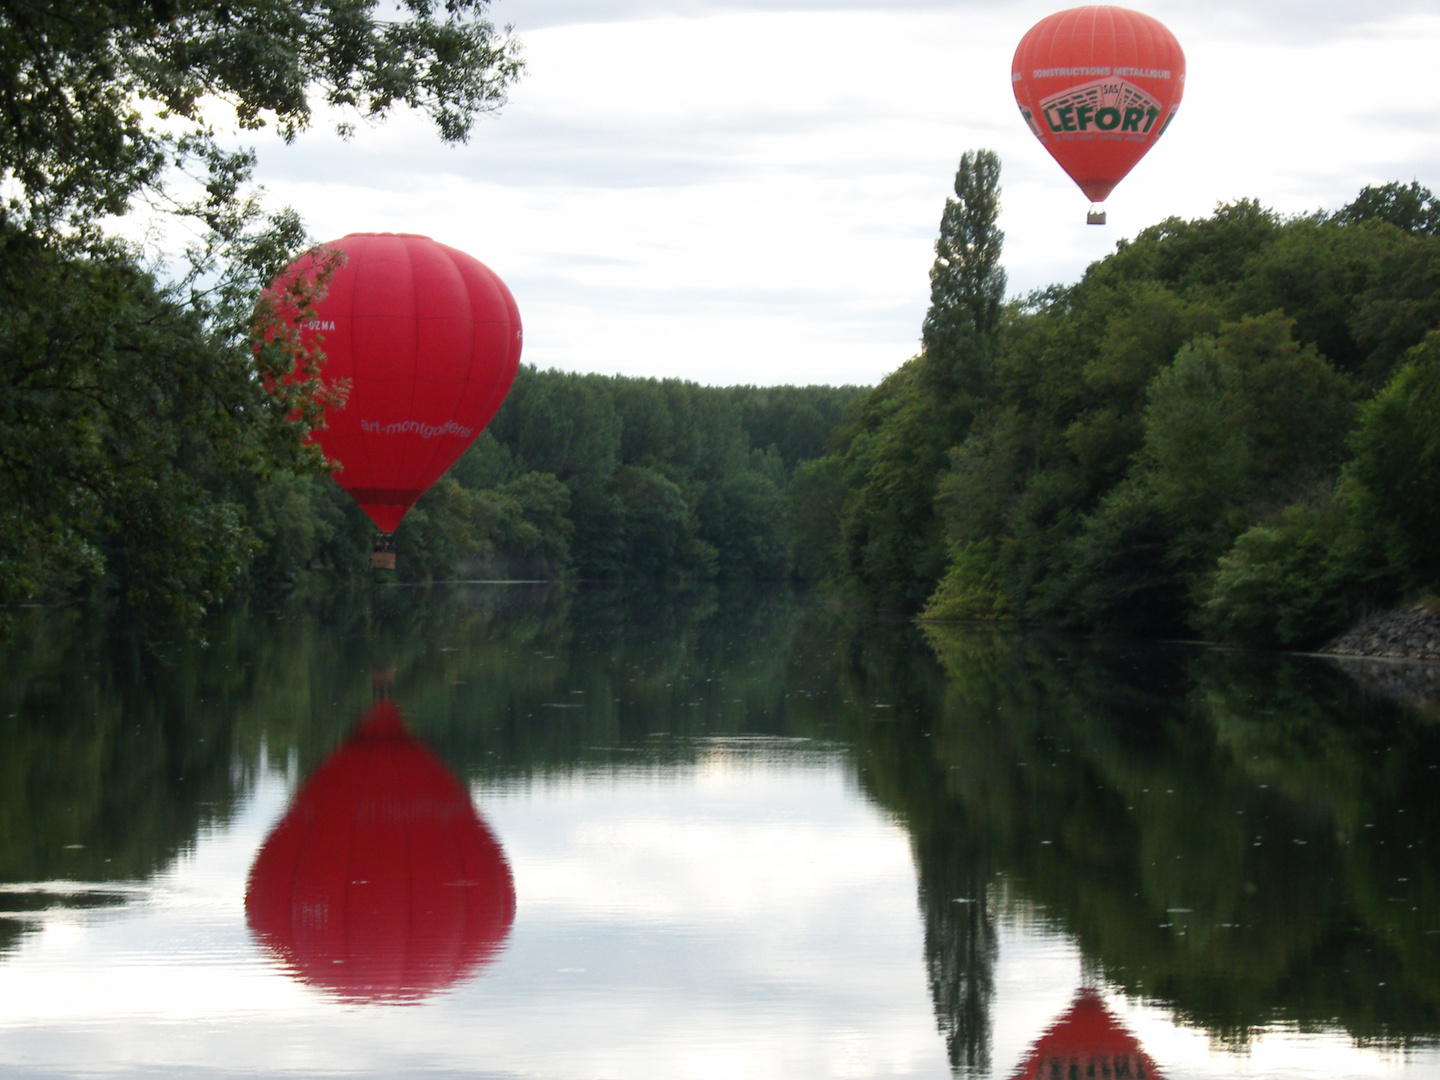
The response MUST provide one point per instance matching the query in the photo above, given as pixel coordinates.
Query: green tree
(796, 420)
(127, 424)
(1289, 582)
(892, 537)
(667, 479)
(1395, 475)
(967, 283)
(657, 524)
(896, 441)
(1105, 469)
(81, 81)
(813, 505)
(1196, 461)
(141, 430)
(744, 522)
(1410, 207)
(1148, 325)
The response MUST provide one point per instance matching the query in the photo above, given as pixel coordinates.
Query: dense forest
(589, 476)
(143, 407)
(152, 435)
(1227, 427)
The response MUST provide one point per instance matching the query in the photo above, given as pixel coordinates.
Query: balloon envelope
(380, 883)
(429, 339)
(1098, 86)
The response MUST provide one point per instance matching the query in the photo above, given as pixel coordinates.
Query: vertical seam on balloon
(440, 440)
(354, 259)
(458, 950)
(348, 906)
(294, 875)
(415, 353)
(408, 984)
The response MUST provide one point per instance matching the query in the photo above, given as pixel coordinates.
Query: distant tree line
(149, 444)
(589, 476)
(1230, 426)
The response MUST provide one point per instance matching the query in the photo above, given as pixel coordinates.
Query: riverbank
(1395, 653)
(1411, 633)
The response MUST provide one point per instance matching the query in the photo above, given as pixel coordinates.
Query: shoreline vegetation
(1164, 449)
(1228, 428)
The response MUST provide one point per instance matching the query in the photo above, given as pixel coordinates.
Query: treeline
(141, 456)
(1229, 426)
(589, 476)
(153, 430)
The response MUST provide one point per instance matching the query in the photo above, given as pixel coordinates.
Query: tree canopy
(138, 427)
(590, 476)
(102, 99)
(1224, 427)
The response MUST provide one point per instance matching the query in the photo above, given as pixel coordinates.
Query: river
(582, 833)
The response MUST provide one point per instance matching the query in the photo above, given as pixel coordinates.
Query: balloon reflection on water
(380, 883)
(1087, 1042)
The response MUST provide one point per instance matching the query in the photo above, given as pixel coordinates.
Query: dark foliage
(147, 441)
(584, 476)
(1224, 426)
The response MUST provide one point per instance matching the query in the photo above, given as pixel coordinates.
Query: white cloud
(750, 192)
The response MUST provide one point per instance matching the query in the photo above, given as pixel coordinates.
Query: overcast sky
(749, 191)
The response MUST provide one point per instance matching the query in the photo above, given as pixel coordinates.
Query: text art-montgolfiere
(1098, 86)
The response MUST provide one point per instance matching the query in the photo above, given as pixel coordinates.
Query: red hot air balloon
(429, 339)
(380, 883)
(1087, 1041)
(1098, 86)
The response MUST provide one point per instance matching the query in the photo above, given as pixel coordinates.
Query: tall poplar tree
(900, 436)
(967, 283)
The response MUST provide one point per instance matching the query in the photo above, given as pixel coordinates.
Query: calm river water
(715, 834)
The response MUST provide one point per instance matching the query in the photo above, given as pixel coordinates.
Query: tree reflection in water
(1249, 840)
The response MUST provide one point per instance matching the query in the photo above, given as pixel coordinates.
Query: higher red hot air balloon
(380, 883)
(1098, 86)
(1087, 1041)
(429, 339)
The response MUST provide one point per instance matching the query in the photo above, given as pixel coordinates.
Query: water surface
(734, 833)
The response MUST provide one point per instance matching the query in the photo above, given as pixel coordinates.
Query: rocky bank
(1407, 634)
(1395, 653)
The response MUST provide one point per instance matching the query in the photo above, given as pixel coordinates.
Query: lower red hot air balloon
(429, 340)
(1087, 1041)
(1098, 86)
(380, 883)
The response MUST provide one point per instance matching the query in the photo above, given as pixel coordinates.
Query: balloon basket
(1096, 216)
(382, 554)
